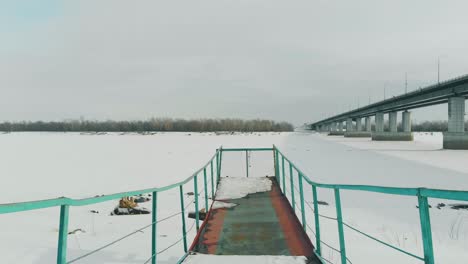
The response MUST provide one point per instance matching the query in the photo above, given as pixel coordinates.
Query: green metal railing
(422, 194)
(279, 160)
(65, 204)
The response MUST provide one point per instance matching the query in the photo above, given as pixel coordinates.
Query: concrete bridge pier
(349, 124)
(392, 122)
(358, 124)
(456, 137)
(393, 134)
(359, 131)
(406, 121)
(339, 129)
(368, 124)
(379, 122)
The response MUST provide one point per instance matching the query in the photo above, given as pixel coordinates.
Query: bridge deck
(261, 224)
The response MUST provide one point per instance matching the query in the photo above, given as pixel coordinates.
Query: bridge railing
(422, 195)
(210, 173)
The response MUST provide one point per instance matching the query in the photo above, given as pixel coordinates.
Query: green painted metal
(63, 233)
(181, 260)
(291, 177)
(33, 205)
(339, 218)
(284, 175)
(154, 219)
(246, 149)
(220, 164)
(252, 228)
(426, 230)
(275, 164)
(182, 210)
(217, 168)
(197, 213)
(212, 180)
(205, 183)
(301, 195)
(422, 193)
(317, 221)
(247, 163)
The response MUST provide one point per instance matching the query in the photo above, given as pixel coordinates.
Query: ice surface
(215, 259)
(47, 165)
(219, 205)
(237, 187)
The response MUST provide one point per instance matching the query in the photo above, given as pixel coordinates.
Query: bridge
(453, 92)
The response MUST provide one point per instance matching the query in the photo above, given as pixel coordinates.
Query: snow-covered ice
(238, 187)
(47, 165)
(215, 259)
(219, 205)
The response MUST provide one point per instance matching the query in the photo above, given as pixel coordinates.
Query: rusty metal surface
(262, 224)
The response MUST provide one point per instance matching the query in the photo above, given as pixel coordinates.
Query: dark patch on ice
(130, 211)
(76, 230)
(201, 215)
(459, 206)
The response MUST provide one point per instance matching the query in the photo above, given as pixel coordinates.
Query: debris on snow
(128, 206)
(76, 230)
(130, 211)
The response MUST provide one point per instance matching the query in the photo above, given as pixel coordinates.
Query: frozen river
(48, 165)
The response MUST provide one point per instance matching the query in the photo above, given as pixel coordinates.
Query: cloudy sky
(285, 60)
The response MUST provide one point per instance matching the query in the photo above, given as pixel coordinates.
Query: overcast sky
(298, 61)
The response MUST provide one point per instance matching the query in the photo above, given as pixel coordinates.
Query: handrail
(421, 193)
(64, 203)
(41, 204)
(406, 191)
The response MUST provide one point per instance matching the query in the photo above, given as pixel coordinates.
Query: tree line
(433, 126)
(425, 126)
(151, 125)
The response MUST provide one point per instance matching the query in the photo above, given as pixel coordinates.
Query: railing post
(284, 175)
(291, 176)
(426, 229)
(182, 209)
(206, 189)
(339, 218)
(212, 180)
(63, 233)
(301, 190)
(220, 162)
(247, 162)
(317, 221)
(154, 220)
(197, 214)
(217, 166)
(277, 172)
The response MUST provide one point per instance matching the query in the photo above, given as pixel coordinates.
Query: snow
(215, 259)
(238, 187)
(47, 165)
(219, 205)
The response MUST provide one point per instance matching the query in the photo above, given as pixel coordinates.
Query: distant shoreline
(149, 126)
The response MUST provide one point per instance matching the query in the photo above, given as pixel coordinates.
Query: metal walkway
(261, 224)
